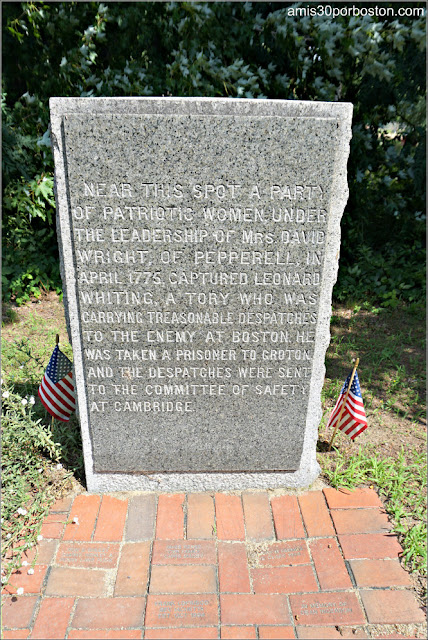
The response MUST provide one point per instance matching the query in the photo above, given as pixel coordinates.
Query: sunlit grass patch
(401, 482)
(391, 453)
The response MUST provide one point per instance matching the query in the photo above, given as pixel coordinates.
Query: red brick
(233, 568)
(85, 508)
(258, 517)
(126, 634)
(379, 573)
(17, 613)
(181, 610)
(238, 633)
(287, 518)
(108, 613)
(331, 632)
(284, 580)
(183, 579)
(347, 499)
(111, 520)
(276, 633)
(43, 552)
(184, 552)
(170, 517)
(171, 634)
(370, 545)
(327, 608)
(63, 505)
(15, 633)
(200, 516)
(30, 583)
(133, 572)
(254, 609)
(53, 525)
(229, 517)
(63, 581)
(90, 555)
(315, 514)
(329, 564)
(360, 521)
(52, 620)
(281, 554)
(391, 607)
(141, 519)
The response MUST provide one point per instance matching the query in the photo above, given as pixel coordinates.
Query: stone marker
(199, 246)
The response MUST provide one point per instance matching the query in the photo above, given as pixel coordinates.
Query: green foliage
(402, 483)
(34, 450)
(30, 259)
(25, 440)
(248, 50)
(395, 273)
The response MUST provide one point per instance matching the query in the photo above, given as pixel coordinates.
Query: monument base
(196, 482)
(302, 478)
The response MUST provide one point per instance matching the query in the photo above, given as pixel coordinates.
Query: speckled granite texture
(199, 245)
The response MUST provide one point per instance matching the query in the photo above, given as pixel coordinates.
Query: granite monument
(199, 246)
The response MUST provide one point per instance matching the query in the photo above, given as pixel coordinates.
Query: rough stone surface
(225, 213)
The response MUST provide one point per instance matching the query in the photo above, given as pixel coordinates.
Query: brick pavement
(322, 564)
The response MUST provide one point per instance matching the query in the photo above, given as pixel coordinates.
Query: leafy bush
(26, 495)
(30, 260)
(248, 50)
(34, 450)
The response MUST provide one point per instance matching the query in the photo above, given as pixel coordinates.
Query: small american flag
(353, 420)
(57, 389)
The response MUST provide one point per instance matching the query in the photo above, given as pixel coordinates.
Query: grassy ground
(391, 454)
(44, 461)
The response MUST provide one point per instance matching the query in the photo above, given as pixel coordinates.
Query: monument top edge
(200, 106)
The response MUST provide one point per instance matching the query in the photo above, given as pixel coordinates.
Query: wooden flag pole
(57, 343)
(344, 403)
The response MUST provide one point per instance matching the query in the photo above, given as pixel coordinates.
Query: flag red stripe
(350, 427)
(357, 405)
(356, 419)
(357, 415)
(69, 384)
(353, 420)
(59, 387)
(51, 390)
(68, 387)
(357, 409)
(51, 409)
(345, 421)
(51, 401)
(355, 397)
(335, 412)
(71, 397)
(358, 432)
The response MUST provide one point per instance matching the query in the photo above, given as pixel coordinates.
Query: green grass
(401, 483)
(390, 455)
(39, 457)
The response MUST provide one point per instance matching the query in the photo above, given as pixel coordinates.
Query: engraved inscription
(199, 275)
(192, 608)
(320, 608)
